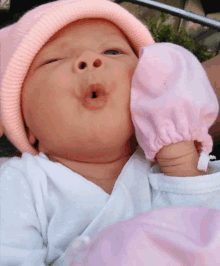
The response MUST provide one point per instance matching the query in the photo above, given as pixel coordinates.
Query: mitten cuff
(152, 143)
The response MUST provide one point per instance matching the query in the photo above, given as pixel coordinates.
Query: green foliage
(165, 33)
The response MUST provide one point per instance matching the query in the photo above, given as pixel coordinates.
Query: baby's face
(67, 121)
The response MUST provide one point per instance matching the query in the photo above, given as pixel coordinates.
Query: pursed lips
(95, 97)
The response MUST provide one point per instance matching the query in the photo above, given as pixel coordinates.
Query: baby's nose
(89, 61)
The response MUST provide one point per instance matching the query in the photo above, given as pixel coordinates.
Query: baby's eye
(54, 60)
(114, 50)
(51, 61)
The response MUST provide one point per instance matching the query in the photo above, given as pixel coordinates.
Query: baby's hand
(173, 103)
(180, 159)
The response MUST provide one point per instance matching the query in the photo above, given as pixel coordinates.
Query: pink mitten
(172, 99)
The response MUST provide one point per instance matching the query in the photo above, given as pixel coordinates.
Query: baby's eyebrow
(108, 36)
(65, 46)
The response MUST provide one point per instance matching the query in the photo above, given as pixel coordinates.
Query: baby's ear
(1, 130)
(31, 138)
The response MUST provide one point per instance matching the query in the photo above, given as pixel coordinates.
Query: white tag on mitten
(204, 161)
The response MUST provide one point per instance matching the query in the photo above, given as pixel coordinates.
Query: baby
(66, 76)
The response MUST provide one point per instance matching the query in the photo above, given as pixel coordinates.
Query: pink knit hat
(21, 41)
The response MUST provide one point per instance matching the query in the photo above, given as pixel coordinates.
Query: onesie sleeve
(197, 191)
(21, 239)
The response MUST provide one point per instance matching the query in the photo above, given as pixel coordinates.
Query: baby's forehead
(58, 37)
(74, 31)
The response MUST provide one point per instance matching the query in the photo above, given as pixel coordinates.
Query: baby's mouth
(95, 97)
